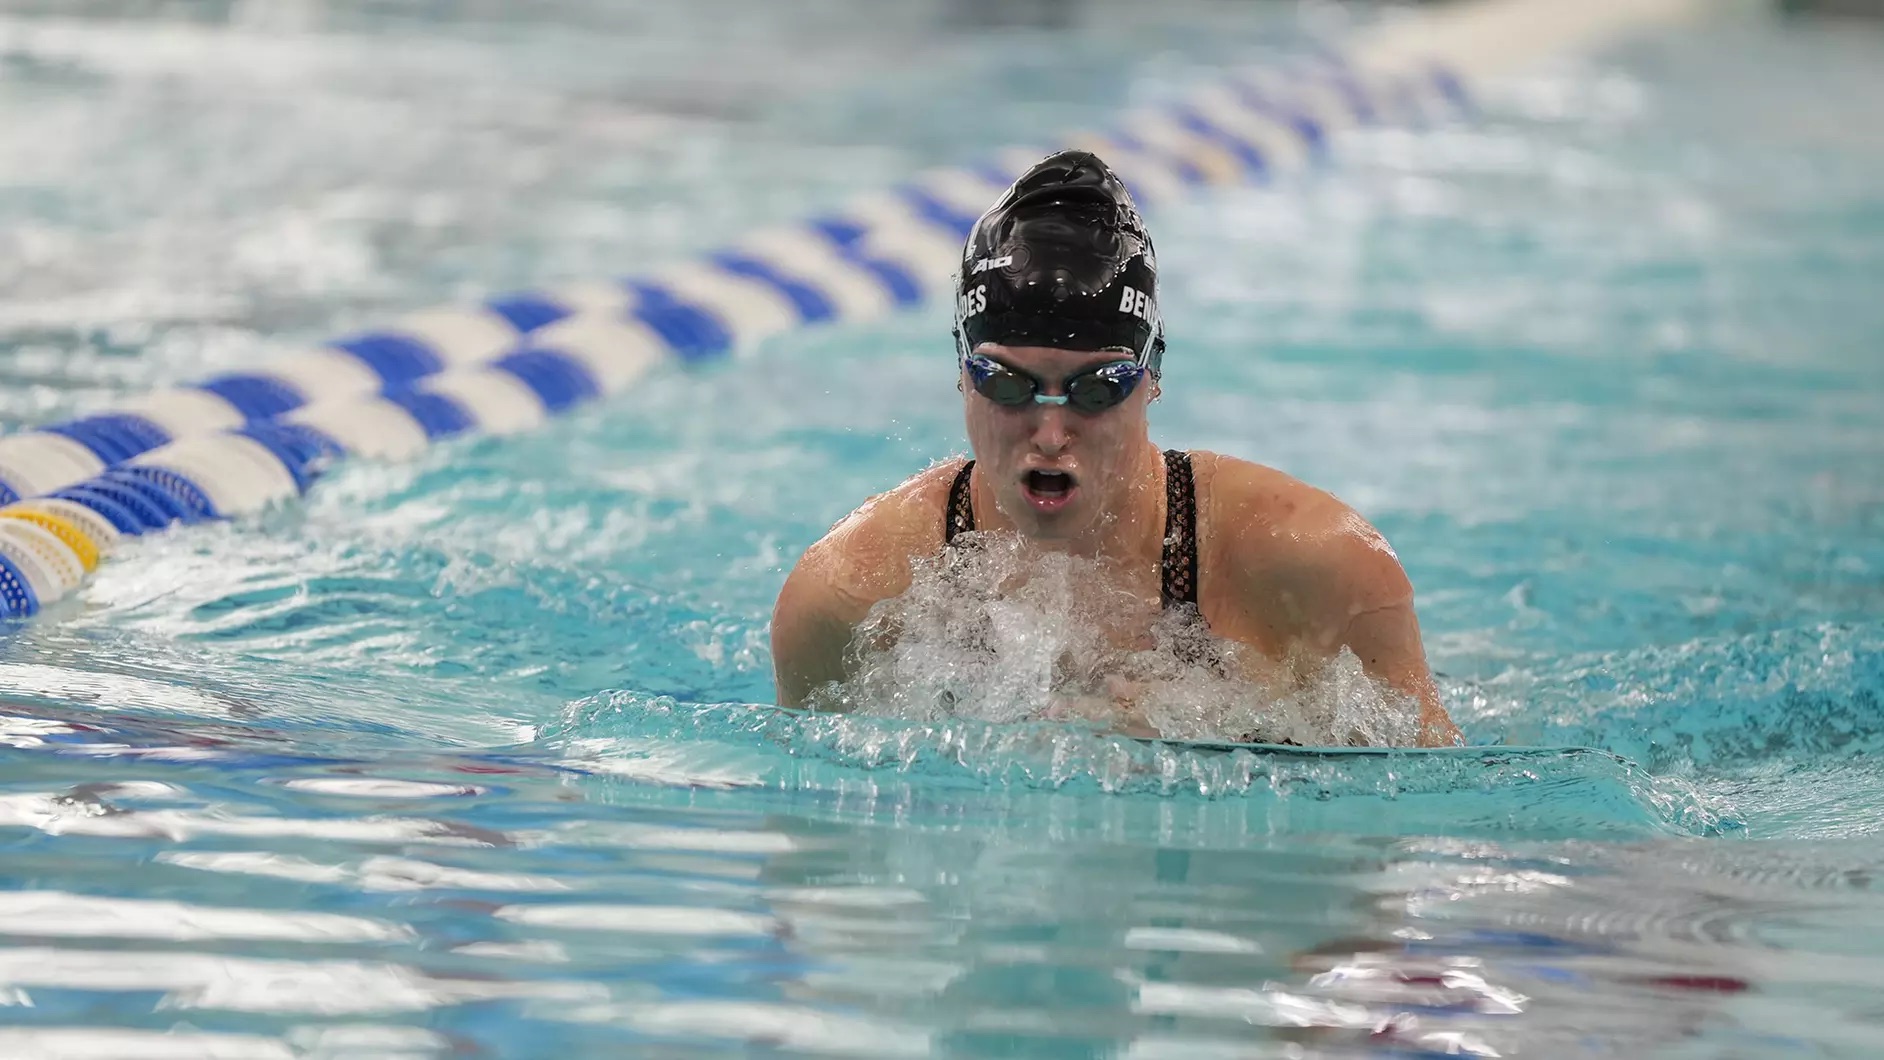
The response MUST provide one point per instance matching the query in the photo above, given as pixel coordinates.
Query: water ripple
(30, 914)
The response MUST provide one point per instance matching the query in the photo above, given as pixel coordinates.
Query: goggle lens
(1006, 388)
(1094, 390)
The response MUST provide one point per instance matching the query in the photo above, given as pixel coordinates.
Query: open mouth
(1048, 490)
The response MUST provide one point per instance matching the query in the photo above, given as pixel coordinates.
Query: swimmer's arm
(1353, 593)
(811, 630)
(862, 561)
(1386, 638)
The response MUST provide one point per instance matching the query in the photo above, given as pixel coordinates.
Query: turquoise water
(471, 757)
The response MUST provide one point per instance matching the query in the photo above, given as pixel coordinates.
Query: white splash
(1003, 632)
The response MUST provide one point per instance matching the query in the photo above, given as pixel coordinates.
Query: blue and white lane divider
(235, 444)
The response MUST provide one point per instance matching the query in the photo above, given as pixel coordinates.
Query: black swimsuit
(1179, 564)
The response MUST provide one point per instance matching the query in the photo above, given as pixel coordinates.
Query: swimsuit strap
(1179, 562)
(959, 517)
(1180, 530)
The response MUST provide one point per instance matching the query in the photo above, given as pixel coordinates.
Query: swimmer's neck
(1129, 528)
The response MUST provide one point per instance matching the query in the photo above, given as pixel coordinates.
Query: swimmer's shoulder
(1244, 499)
(865, 557)
(1278, 536)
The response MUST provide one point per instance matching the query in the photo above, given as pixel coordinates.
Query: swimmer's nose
(1050, 430)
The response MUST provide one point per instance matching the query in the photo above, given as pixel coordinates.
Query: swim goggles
(1091, 391)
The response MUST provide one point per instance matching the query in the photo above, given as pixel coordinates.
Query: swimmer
(1059, 343)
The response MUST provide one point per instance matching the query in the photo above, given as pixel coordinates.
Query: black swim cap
(1062, 260)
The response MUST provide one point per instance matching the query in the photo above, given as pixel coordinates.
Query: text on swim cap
(968, 303)
(1135, 302)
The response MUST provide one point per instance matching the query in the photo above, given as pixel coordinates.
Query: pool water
(472, 756)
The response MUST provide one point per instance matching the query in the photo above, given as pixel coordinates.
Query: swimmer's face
(1055, 472)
